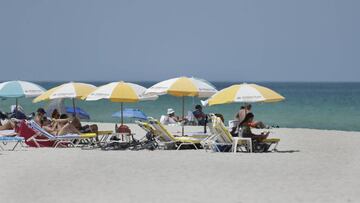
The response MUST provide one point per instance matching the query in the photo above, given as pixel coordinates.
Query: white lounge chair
(237, 142)
(69, 139)
(224, 138)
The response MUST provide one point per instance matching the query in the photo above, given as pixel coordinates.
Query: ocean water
(334, 106)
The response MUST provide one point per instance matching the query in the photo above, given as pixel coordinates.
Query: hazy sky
(222, 40)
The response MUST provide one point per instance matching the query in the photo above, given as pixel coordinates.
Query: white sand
(314, 166)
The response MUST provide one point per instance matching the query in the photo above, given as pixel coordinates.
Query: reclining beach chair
(169, 140)
(207, 142)
(236, 143)
(7, 136)
(57, 140)
(146, 127)
(28, 133)
(224, 141)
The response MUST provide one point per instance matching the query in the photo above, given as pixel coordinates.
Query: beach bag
(150, 142)
(259, 147)
(150, 145)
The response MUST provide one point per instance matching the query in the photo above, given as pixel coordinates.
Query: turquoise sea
(333, 106)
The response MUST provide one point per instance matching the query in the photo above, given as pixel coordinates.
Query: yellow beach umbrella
(183, 87)
(244, 93)
(71, 90)
(122, 92)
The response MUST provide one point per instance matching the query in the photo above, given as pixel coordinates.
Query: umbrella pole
(183, 113)
(122, 116)
(16, 104)
(73, 102)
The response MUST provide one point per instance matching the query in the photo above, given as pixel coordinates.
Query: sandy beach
(312, 166)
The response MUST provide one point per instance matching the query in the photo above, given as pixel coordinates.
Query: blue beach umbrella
(19, 89)
(131, 113)
(80, 113)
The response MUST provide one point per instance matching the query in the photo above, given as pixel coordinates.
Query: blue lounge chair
(6, 139)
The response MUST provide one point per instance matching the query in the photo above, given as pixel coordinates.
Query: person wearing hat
(170, 118)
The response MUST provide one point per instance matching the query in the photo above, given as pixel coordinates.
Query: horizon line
(217, 81)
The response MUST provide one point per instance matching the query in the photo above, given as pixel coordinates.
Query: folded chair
(57, 140)
(209, 140)
(169, 140)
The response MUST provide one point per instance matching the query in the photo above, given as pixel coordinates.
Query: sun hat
(170, 111)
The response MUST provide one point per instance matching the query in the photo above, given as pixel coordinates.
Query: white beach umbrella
(123, 92)
(18, 89)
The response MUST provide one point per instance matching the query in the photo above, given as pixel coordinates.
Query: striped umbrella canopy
(18, 89)
(183, 87)
(71, 90)
(244, 93)
(123, 92)
(120, 92)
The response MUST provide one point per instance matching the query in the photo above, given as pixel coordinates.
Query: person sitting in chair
(244, 110)
(83, 128)
(246, 129)
(61, 126)
(170, 118)
(41, 118)
(55, 114)
(199, 115)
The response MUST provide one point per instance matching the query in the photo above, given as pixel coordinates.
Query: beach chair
(7, 136)
(169, 141)
(146, 127)
(8, 133)
(57, 140)
(225, 138)
(28, 133)
(207, 142)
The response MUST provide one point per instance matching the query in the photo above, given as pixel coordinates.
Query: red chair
(28, 134)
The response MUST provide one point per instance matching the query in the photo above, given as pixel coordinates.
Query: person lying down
(61, 126)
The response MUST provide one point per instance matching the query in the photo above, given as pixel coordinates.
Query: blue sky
(242, 40)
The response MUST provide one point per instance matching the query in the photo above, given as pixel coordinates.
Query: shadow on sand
(287, 151)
